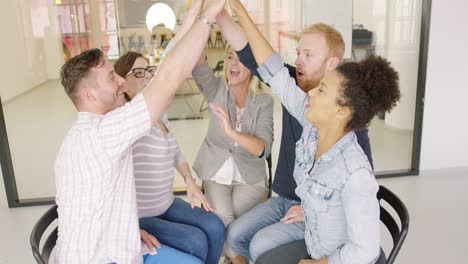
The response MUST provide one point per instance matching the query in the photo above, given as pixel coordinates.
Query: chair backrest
(219, 66)
(42, 256)
(398, 232)
(270, 187)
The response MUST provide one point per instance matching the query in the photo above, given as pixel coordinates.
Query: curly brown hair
(370, 86)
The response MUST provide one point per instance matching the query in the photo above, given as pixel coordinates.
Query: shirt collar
(85, 117)
(339, 146)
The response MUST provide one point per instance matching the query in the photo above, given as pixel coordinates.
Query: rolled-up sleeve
(276, 74)
(270, 67)
(247, 58)
(362, 216)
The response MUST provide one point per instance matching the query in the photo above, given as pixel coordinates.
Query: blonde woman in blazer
(231, 159)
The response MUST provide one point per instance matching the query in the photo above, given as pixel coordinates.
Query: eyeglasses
(141, 72)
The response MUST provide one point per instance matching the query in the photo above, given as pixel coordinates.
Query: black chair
(295, 251)
(42, 256)
(398, 232)
(270, 187)
(219, 66)
(219, 42)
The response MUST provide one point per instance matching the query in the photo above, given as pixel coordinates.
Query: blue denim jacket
(338, 191)
(291, 131)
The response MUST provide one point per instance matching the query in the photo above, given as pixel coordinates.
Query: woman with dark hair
(335, 180)
(173, 221)
(134, 67)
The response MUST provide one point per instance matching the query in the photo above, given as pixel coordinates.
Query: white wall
(29, 46)
(445, 124)
(337, 13)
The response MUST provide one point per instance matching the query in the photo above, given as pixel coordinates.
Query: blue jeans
(260, 229)
(169, 255)
(193, 231)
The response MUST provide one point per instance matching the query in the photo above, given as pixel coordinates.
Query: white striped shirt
(96, 188)
(154, 158)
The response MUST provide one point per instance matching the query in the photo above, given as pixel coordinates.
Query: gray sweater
(217, 147)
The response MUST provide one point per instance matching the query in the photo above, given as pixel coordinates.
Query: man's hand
(150, 241)
(193, 192)
(311, 261)
(294, 214)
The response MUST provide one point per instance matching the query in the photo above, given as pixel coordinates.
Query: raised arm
(235, 36)
(183, 29)
(188, 21)
(272, 69)
(232, 32)
(208, 83)
(261, 49)
(180, 62)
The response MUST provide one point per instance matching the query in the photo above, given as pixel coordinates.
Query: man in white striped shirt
(94, 171)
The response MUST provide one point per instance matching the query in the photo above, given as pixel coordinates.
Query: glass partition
(43, 34)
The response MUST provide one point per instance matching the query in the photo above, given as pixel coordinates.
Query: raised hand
(211, 8)
(224, 119)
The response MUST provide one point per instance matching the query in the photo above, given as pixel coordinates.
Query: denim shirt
(338, 191)
(291, 131)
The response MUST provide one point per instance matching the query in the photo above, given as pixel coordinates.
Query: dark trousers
(292, 253)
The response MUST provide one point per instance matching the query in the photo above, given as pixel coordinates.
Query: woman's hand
(224, 119)
(211, 8)
(150, 241)
(236, 6)
(193, 192)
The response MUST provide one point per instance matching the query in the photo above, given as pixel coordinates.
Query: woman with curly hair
(334, 178)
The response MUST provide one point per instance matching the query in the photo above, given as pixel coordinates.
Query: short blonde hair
(254, 84)
(333, 38)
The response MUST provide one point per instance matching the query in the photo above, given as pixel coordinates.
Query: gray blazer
(217, 147)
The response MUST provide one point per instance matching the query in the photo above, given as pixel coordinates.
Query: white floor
(437, 202)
